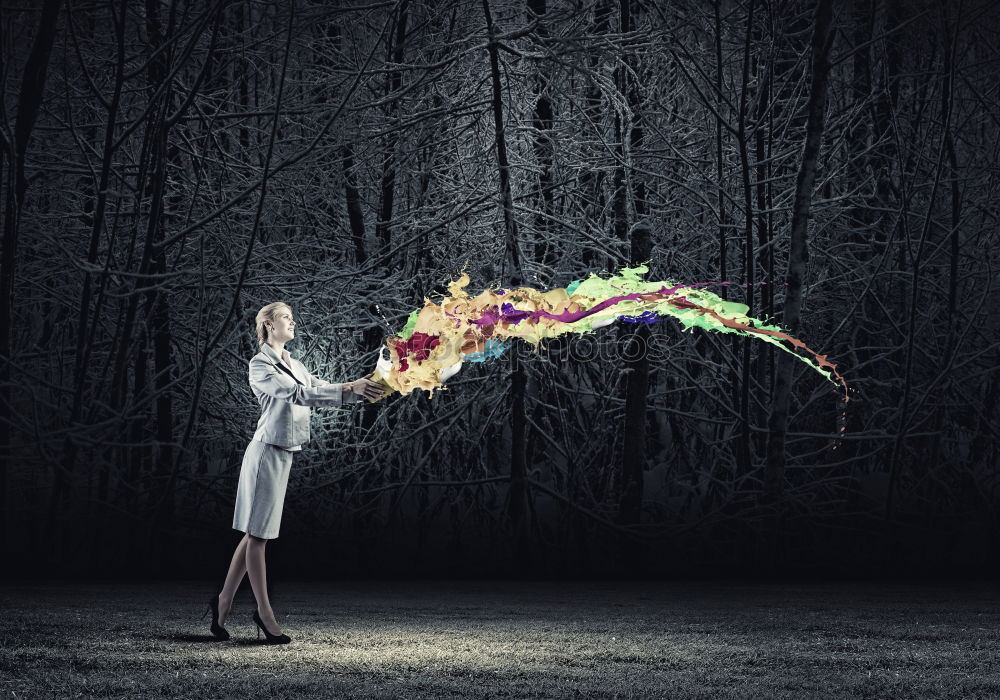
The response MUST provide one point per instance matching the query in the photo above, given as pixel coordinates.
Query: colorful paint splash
(439, 337)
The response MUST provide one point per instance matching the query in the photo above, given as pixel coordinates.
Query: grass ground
(371, 640)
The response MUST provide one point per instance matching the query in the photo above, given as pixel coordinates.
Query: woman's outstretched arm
(349, 395)
(268, 379)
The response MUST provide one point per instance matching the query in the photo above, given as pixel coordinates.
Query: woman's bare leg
(237, 568)
(257, 570)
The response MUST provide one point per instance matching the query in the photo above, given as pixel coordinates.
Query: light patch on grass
(370, 640)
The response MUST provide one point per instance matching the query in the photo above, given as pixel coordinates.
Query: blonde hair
(268, 313)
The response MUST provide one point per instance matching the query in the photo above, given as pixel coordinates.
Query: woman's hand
(366, 388)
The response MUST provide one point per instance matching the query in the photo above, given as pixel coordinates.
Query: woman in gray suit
(286, 391)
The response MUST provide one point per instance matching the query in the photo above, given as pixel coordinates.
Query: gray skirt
(260, 495)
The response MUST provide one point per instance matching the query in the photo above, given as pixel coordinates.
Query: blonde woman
(286, 391)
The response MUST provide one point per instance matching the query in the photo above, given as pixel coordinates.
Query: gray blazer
(284, 402)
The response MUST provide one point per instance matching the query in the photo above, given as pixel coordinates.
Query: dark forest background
(168, 167)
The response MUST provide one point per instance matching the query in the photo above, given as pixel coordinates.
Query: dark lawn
(507, 640)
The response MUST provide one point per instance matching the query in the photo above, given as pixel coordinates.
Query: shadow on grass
(209, 639)
(178, 637)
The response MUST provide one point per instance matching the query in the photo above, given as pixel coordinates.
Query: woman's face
(283, 326)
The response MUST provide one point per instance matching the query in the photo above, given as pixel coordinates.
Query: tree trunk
(543, 147)
(799, 254)
(162, 495)
(744, 452)
(896, 464)
(719, 173)
(518, 483)
(29, 101)
(353, 201)
(636, 340)
(387, 186)
(592, 180)
(724, 225)
(86, 331)
(636, 400)
(762, 141)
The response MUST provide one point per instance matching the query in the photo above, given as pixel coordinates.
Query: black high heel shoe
(268, 637)
(218, 630)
